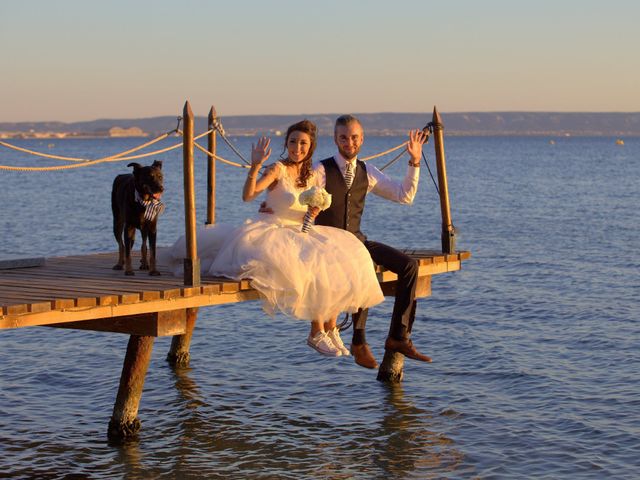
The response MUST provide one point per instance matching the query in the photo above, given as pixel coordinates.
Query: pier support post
(391, 368)
(124, 421)
(178, 355)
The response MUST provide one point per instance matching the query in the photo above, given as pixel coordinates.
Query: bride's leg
(316, 326)
(320, 341)
(330, 326)
(331, 323)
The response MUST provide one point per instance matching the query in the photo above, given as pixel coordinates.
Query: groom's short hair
(344, 120)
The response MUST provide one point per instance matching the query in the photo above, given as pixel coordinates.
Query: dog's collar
(152, 208)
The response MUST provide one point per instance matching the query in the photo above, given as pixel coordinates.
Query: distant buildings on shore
(559, 124)
(116, 132)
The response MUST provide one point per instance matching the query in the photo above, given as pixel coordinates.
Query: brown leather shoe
(406, 348)
(363, 356)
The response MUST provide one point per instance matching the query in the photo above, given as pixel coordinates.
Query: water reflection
(128, 455)
(219, 430)
(411, 443)
(187, 388)
(399, 440)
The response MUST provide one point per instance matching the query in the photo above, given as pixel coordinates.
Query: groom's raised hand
(414, 146)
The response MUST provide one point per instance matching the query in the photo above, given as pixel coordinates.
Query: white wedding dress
(311, 276)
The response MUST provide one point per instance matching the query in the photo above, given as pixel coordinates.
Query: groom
(349, 180)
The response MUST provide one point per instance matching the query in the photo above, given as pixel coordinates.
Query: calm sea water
(536, 342)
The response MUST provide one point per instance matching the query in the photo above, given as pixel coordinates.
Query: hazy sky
(76, 60)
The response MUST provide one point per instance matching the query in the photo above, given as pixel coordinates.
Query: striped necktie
(348, 175)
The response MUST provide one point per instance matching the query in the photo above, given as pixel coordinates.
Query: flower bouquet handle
(315, 197)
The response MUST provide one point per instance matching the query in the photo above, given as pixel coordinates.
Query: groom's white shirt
(379, 183)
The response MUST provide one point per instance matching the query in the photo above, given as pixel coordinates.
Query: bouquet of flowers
(314, 197)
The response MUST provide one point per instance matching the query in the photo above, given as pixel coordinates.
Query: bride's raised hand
(261, 152)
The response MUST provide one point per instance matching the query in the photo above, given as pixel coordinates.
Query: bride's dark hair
(308, 127)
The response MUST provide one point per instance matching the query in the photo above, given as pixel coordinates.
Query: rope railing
(217, 125)
(122, 156)
(81, 162)
(392, 161)
(213, 155)
(73, 159)
(87, 163)
(382, 154)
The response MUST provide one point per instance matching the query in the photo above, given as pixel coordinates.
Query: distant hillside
(472, 123)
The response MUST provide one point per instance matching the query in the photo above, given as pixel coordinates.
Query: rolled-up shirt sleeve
(386, 187)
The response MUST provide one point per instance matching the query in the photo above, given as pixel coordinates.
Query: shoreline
(399, 133)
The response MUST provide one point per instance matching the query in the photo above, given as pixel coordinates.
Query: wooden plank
(107, 299)
(16, 309)
(171, 293)
(38, 307)
(211, 289)
(127, 298)
(86, 302)
(66, 288)
(423, 287)
(189, 291)
(229, 287)
(12, 263)
(61, 303)
(74, 315)
(149, 295)
(154, 324)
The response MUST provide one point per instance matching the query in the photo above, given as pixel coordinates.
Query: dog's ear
(135, 166)
(157, 163)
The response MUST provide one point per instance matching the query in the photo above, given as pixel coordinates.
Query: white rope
(223, 160)
(72, 159)
(371, 157)
(218, 126)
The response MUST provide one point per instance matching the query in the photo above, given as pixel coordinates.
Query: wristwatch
(417, 164)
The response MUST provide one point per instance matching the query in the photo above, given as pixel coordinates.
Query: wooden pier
(84, 292)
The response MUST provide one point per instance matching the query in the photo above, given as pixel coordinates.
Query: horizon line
(336, 114)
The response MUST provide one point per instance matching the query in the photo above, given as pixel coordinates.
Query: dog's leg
(144, 265)
(118, 231)
(152, 248)
(130, 236)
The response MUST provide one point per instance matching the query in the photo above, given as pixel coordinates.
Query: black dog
(135, 201)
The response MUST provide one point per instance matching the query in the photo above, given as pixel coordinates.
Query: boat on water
(619, 141)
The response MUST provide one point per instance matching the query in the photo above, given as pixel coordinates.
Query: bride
(311, 276)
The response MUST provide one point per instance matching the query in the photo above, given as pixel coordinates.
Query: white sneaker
(334, 335)
(321, 343)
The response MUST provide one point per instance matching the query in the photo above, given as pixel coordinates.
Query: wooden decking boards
(85, 287)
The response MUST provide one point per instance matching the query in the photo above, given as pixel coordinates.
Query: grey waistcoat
(347, 206)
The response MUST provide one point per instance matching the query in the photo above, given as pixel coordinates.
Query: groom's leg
(407, 270)
(404, 307)
(359, 325)
(359, 348)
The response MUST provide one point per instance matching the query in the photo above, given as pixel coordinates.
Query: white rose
(316, 197)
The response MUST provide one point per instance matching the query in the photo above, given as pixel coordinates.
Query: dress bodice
(283, 199)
